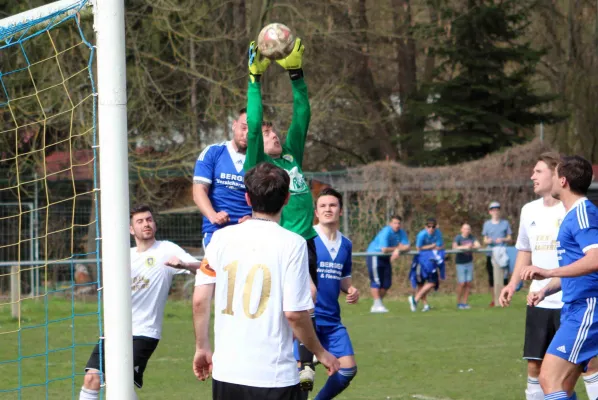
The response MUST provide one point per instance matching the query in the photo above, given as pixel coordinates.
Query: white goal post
(109, 27)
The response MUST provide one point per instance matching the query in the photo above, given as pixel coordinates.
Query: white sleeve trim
(592, 246)
(201, 179)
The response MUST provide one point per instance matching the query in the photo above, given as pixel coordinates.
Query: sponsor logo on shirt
(298, 184)
(545, 242)
(288, 157)
(330, 270)
(139, 283)
(232, 181)
(150, 262)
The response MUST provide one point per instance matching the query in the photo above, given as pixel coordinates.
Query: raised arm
(255, 140)
(297, 134)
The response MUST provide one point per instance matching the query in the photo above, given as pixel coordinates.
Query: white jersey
(261, 271)
(538, 230)
(150, 283)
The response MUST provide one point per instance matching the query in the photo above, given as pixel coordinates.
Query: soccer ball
(276, 41)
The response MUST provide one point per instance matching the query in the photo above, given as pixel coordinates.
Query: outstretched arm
(255, 140)
(297, 134)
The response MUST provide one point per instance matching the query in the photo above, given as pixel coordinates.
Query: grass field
(444, 354)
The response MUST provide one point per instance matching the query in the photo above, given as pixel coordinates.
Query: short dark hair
(431, 221)
(140, 208)
(397, 217)
(550, 158)
(578, 172)
(267, 124)
(242, 111)
(331, 192)
(267, 186)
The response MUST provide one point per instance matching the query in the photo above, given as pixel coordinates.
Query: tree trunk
(413, 146)
(384, 146)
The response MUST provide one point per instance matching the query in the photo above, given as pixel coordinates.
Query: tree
(483, 98)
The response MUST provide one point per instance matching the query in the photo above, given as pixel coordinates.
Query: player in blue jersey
(390, 240)
(218, 188)
(429, 238)
(576, 341)
(334, 275)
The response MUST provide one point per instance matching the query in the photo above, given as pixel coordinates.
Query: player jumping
(263, 144)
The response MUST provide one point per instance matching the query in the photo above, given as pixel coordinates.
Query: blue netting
(48, 138)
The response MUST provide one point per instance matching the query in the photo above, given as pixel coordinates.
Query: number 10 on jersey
(231, 269)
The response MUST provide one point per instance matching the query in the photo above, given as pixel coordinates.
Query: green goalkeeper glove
(256, 63)
(294, 61)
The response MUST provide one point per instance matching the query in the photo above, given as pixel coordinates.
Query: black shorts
(540, 326)
(143, 348)
(312, 259)
(232, 391)
(490, 270)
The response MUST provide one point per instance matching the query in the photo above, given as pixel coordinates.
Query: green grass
(444, 354)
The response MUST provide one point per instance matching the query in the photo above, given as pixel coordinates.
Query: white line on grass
(423, 397)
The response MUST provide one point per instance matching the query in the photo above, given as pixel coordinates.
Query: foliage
(482, 98)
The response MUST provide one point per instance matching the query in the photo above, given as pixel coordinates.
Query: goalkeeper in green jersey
(263, 144)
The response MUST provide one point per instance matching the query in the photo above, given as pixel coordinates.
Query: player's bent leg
(337, 341)
(533, 390)
(91, 385)
(558, 377)
(339, 381)
(590, 378)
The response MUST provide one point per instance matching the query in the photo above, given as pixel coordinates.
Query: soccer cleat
(412, 303)
(466, 306)
(426, 308)
(306, 378)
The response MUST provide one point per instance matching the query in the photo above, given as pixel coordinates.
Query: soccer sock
(337, 383)
(591, 382)
(378, 302)
(562, 395)
(88, 394)
(534, 390)
(306, 357)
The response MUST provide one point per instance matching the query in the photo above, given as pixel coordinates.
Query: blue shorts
(465, 272)
(334, 338)
(577, 338)
(207, 237)
(380, 271)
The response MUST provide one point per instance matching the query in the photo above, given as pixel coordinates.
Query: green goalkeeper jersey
(297, 215)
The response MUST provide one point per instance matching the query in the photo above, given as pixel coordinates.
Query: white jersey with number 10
(261, 271)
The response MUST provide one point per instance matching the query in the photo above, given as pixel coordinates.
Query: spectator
(390, 240)
(497, 233)
(464, 261)
(424, 263)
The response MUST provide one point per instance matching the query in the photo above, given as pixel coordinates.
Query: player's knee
(348, 374)
(92, 379)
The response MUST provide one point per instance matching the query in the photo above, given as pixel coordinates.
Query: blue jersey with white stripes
(221, 167)
(334, 264)
(578, 234)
